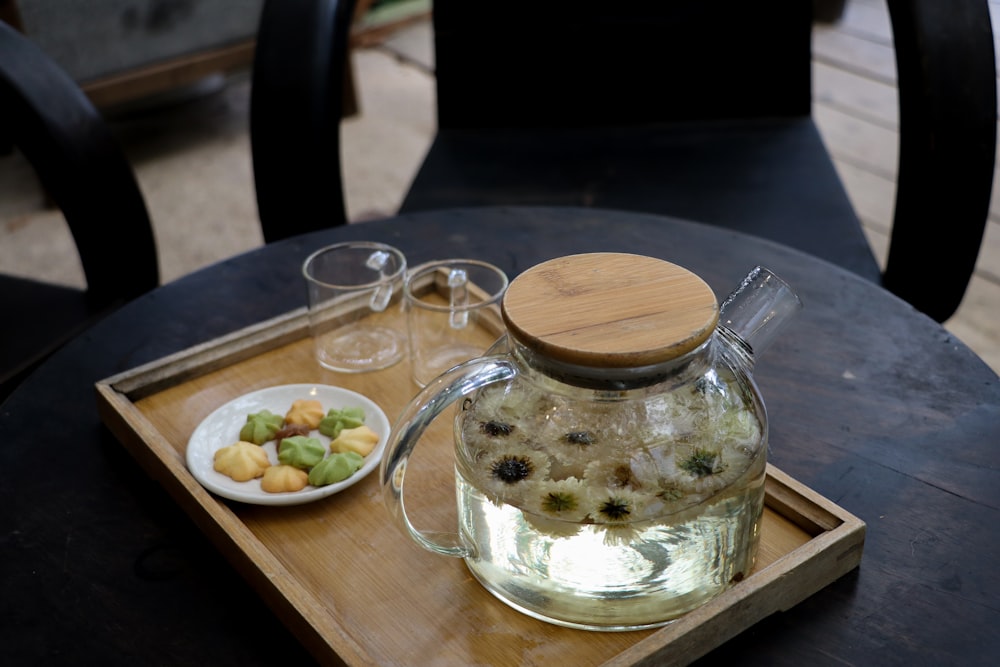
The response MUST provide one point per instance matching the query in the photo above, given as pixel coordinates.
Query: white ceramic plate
(222, 428)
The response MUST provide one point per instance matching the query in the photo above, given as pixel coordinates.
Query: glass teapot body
(604, 497)
(612, 509)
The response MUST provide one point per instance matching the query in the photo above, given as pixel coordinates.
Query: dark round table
(872, 404)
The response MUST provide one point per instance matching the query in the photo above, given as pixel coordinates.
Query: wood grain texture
(610, 310)
(354, 589)
(869, 403)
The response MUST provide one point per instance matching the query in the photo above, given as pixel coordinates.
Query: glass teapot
(610, 449)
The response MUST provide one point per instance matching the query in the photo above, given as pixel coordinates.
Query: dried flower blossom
(619, 506)
(511, 469)
(615, 509)
(670, 493)
(612, 475)
(702, 462)
(507, 474)
(495, 429)
(557, 508)
(579, 438)
(565, 499)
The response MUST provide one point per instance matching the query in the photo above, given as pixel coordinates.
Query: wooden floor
(855, 106)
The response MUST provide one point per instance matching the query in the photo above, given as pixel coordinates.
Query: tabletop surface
(871, 404)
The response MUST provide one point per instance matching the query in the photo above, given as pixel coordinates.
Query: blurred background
(172, 77)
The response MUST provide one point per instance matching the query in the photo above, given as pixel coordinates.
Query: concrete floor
(192, 158)
(191, 155)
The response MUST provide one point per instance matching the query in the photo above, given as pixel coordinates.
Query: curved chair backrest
(82, 169)
(946, 69)
(523, 65)
(297, 93)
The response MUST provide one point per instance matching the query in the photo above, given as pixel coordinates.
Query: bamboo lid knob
(612, 310)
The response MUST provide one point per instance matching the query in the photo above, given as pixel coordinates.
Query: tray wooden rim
(834, 550)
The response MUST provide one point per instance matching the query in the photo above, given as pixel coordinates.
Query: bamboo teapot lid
(610, 310)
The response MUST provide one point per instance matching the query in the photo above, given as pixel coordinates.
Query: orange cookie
(305, 411)
(284, 479)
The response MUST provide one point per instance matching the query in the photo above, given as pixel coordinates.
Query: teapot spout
(757, 310)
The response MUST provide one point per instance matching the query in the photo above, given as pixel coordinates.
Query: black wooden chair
(82, 169)
(297, 96)
(692, 109)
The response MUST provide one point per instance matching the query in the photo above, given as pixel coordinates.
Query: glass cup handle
(415, 418)
(382, 294)
(458, 298)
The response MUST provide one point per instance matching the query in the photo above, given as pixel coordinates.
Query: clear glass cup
(447, 302)
(355, 294)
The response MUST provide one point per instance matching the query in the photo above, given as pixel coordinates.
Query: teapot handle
(410, 425)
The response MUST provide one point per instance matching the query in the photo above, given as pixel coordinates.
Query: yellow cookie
(242, 461)
(360, 440)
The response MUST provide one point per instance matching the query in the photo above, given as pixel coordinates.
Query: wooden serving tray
(355, 590)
